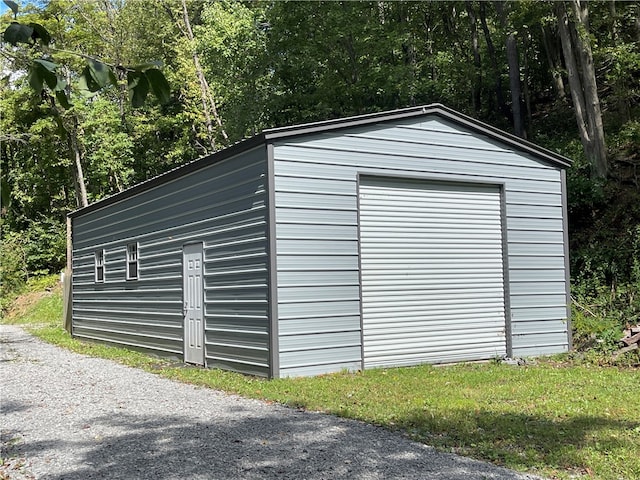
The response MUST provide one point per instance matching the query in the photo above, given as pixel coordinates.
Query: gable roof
(271, 134)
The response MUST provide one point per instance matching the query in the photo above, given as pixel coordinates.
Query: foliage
(557, 419)
(97, 75)
(27, 292)
(28, 255)
(277, 63)
(13, 267)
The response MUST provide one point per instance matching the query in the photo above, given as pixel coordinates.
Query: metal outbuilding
(397, 238)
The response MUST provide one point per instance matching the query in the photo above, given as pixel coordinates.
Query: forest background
(77, 124)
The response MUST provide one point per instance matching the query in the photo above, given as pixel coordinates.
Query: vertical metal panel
(310, 174)
(222, 205)
(411, 313)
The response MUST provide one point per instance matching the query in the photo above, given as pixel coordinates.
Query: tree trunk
(582, 83)
(614, 22)
(525, 83)
(208, 103)
(476, 88)
(549, 41)
(77, 160)
(494, 61)
(514, 84)
(592, 101)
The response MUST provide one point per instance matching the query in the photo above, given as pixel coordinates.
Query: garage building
(396, 238)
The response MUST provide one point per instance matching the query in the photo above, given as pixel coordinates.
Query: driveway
(73, 417)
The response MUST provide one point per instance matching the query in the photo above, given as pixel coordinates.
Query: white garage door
(432, 277)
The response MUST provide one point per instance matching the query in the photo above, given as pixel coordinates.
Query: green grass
(557, 418)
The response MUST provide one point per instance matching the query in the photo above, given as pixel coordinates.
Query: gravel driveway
(68, 416)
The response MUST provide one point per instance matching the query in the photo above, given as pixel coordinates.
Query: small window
(99, 262)
(132, 261)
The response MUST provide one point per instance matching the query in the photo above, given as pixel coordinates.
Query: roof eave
(173, 174)
(333, 125)
(432, 109)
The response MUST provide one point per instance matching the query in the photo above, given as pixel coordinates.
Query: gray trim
(69, 299)
(435, 108)
(553, 158)
(341, 123)
(505, 271)
(332, 125)
(272, 275)
(360, 269)
(567, 273)
(429, 178)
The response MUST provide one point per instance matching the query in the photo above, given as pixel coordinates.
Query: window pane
(99, 265)
(132, 261)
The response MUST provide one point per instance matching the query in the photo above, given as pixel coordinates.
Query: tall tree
(208, 102)
(513, 61)
(578, 57)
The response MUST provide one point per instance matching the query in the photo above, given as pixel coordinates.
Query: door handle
(185, 308)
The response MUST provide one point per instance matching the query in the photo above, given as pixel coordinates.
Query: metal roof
(271, 134)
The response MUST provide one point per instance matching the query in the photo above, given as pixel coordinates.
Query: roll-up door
(432, 272)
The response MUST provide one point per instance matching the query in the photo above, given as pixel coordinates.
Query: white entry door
(193, 304)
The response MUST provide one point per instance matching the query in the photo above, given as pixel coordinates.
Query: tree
(578, 58)
(31, 48)
(209, 106)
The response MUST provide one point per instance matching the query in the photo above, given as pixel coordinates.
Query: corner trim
(272, 266)
(362, 365)
(567, 263)
(508, 330)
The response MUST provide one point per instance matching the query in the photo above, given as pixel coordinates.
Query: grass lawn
(557, 418)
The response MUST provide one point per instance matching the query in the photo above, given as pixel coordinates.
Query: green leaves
(144, 78)
(159, 85)
(39, 32)
(20, 33)
(12, 5)
(43, 72)
(138, 87)
(17, 33)
(95, 77)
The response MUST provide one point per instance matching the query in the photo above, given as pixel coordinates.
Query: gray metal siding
(316, 181)
(221, 205)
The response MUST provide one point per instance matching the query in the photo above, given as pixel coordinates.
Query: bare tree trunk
(583, 86)
(592, 101)
(476, 88)
(514, 69)
(76, 154)
(549, 41)
(525, 84)
(493, 59)
(75, 151)
(614, 21)
(208, 103)
(514, 84)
